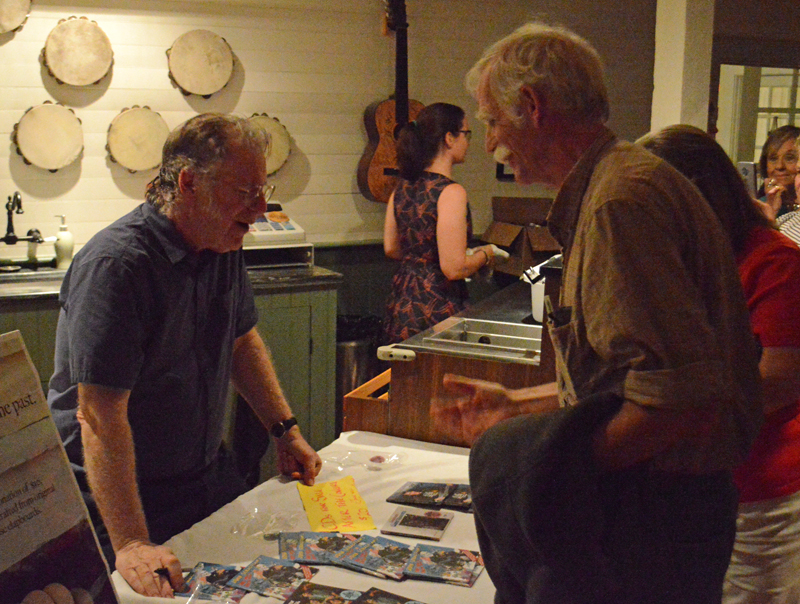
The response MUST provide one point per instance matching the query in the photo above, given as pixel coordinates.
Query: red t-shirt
(769, 267)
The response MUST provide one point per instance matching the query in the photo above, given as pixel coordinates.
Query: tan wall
(314, 65)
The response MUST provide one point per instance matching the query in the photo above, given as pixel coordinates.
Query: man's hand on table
(143, 566)
(296, 458)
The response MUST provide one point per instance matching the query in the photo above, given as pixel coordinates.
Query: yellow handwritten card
(336, 506)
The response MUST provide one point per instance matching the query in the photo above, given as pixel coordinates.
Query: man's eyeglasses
(254, 193)
(467, 133)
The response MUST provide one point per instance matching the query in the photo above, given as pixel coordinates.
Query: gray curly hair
(202, 143)
(555, 62)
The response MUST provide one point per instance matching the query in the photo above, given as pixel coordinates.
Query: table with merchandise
(262, 548)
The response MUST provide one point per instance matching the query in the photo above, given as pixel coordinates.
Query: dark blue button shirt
(140, 311)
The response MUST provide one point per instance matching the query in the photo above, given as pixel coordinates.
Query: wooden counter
(406, 410)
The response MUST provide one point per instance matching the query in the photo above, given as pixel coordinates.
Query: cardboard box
(518, 227)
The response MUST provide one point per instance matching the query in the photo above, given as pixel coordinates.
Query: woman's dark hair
(775, 140)
(697, 156)
(419, 141)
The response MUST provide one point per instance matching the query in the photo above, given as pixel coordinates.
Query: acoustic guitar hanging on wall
(377, 169)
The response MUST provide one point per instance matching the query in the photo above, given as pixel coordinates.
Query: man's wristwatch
(278, 429)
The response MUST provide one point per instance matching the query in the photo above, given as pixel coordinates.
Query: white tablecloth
(212, 540)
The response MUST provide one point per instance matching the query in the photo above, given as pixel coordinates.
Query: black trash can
(356, 360)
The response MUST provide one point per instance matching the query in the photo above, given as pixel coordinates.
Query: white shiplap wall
(313, 64)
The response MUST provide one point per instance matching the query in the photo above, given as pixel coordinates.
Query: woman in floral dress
(428, 225)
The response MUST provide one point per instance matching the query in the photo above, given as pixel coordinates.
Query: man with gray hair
(613, 483)
(157, 317)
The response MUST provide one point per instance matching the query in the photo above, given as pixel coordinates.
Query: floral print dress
(421, 295)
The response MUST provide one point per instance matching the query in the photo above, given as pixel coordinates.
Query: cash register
(275, 241)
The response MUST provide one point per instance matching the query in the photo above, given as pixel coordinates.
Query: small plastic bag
(372, 460)
(265, 523)
(198, 596)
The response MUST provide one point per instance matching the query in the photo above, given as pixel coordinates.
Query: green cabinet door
(300, 331)
(36, 319)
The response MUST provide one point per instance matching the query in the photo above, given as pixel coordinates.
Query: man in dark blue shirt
(157, 318)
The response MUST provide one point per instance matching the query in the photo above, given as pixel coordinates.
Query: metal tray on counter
(494, 339)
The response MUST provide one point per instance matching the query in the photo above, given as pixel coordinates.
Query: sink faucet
(15, 205)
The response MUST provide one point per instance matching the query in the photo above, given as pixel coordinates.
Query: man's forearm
(255, 379)
(111, 471)
(636, 434)
(535, 399)
(113, 482)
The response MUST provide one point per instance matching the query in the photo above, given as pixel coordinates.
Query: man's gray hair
(555, 62)
(201, 144)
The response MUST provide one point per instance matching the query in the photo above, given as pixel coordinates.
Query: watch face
(280, 428)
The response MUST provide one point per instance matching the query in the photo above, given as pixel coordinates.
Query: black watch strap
(278, 429)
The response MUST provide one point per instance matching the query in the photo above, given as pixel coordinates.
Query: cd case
(414, 522)
(433, 495)
(446, 564)
(208, 581)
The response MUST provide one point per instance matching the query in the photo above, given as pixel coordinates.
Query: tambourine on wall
(280, 143)
(136, 138)
(49, 136)
(77, 52)
(200, 62)
(13, 14)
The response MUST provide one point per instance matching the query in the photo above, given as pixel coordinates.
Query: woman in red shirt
(766, 556)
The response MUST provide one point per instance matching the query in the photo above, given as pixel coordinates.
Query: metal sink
(16, 274)
(31, 289)
(27, 283)
(474, 337)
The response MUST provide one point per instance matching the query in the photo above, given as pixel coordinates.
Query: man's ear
(186, 182)
(531, 105)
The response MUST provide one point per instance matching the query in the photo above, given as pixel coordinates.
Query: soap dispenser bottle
(64, 244)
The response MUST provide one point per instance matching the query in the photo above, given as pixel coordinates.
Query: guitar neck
(401, 76)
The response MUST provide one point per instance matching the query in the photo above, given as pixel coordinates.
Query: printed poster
(47, 542)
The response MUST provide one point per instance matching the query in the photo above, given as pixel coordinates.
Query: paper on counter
(336, 506)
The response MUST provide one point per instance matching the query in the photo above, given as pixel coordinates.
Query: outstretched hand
(151, 570)
(469, 407)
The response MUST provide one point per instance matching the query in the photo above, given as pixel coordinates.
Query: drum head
(280, 143)
(49, 136)
(200, 62)
(78, 52)
(136, 138)
(13, 14)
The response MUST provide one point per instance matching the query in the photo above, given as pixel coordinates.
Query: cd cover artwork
(272, 577)
(426, 494)
(313, 593)
(459, 498)
(435, 563)
(379, 596)
(413, 522)
(207, 581)
(386, 557)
